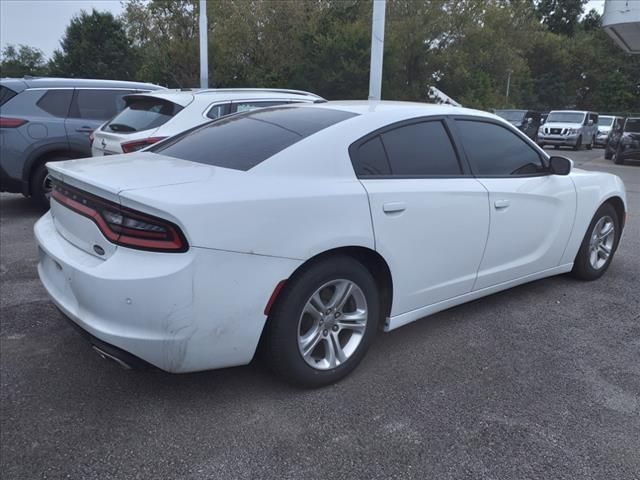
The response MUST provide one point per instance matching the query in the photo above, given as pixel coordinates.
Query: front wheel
(599, 244)
(323, 322)
(590, 145)
(578, 143)
(616, 157)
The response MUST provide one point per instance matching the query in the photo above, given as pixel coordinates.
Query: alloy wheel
(332, 324)
(601, 242)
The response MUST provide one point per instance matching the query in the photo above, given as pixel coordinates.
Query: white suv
(151, 117)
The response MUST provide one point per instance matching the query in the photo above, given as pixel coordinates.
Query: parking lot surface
(538, 382)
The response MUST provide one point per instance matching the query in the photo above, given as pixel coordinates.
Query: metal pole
(508, 85)
(377, 49)
(204, 56)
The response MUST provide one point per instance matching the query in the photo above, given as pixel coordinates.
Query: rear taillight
(121, 225)
(135, 145)
(6, 122)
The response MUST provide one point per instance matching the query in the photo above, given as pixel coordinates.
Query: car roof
(51, 82)
(571, 111)
(185, 97)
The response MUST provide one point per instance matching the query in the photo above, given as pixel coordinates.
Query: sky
(41, 23)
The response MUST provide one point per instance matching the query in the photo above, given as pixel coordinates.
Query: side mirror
(560, 165)
(590, 122)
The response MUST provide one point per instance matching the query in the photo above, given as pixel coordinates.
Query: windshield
(143, 114)
(632, 125)
(565, 117)
(605, 121)
(511, 115)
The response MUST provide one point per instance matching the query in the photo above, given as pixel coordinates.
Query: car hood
(110, 175)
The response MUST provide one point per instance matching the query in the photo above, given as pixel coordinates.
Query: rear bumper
(180, 312)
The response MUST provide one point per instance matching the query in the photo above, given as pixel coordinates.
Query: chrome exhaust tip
(108, 356)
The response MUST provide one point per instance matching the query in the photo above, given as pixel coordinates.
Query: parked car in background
(50, 119)
(528, 121)
(310, 227)
(569, 128)
(543, 117)
(149, 118)
(605, 125)
(624, 143)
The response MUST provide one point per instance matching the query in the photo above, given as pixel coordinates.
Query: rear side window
(218, 111)
(494, 150)
(56, 102)
(97, 104)
(143, 114)
(6, 94)
(243, 141)
(371, 159)
(421, 149)
(248, 106)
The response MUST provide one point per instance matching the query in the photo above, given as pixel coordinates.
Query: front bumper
(560, 140)
(601, 140)
(180, 312)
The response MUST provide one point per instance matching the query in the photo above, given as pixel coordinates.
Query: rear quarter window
(6, 94)
(56, 102)
(242, 141)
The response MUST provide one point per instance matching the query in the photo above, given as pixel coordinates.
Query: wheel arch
(43, 155)
(619, 207)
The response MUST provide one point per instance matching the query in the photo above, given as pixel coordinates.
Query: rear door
(531, 210)
(430, 216)
(90, 108)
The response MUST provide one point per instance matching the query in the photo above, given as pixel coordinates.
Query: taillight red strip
(135, 145)
(6, 122)
(90, 206)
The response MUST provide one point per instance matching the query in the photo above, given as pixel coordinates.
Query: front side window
(56, 102)
(494, 150)
(97, 104)
(632, 125)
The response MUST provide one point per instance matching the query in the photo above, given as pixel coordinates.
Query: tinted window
(493, 150)
(143, 114)
(6, 94)
(566, 117)
(218, 111)
(371, 158)
(632, 125)
(97, 104)
(243, 141)
(420, 149)
(56, 102)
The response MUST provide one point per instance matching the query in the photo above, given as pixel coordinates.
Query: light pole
(204, 56)
(377, 49)
(508, 85)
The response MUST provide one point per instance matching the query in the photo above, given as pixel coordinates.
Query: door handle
(84, 129)
(500, 204)
(394, 207)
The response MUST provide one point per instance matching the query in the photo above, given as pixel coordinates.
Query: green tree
(21, 60)
(561, 16)
(95, 45)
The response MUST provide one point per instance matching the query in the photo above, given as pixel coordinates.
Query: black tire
(578, 144)
(39, 192)
(582, 267)
(607, 153)
(616, 158)
(281, 339)
(590, 145)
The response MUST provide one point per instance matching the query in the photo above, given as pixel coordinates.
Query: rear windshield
(142, 114)
(565, 117)
(511, 115)
(6, 94)
(244, 140)
(632, 125)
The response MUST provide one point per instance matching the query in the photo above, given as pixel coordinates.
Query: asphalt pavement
(538, 382)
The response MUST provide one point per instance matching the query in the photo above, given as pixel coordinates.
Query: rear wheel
(599, 244)
(323, 322)
(41, 184)
(616, 157)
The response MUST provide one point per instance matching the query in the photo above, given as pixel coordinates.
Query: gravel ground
(539, 382)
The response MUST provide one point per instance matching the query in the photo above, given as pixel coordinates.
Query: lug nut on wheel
(325, 332)
(334, 328)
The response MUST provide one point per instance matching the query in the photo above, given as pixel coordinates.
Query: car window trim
(465, 171)
(544, 157)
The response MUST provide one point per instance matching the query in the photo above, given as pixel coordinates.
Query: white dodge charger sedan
(306, 228)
